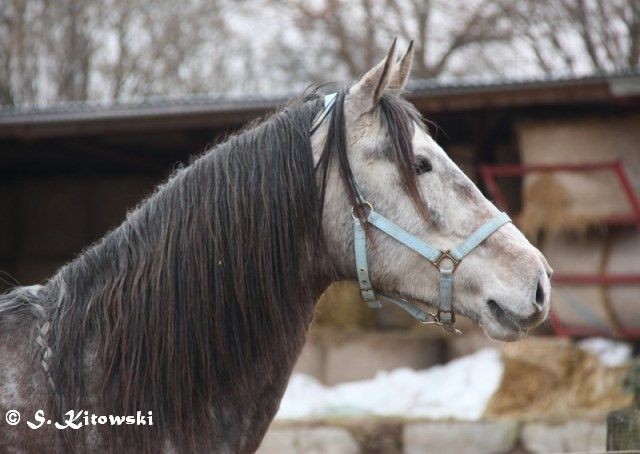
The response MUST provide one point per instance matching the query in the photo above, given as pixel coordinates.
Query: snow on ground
(459, 389)
(611, 353)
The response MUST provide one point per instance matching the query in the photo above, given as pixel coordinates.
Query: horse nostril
(496, 310)
(540, 293)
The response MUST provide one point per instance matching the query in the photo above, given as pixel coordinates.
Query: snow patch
(610, 353)
(460, 389)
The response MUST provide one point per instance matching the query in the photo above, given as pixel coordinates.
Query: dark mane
(205, 287)
(202, 279)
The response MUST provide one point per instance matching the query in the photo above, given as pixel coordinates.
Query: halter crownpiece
(329, 100)
(445, 261)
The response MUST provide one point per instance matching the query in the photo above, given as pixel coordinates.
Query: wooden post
(623, 426)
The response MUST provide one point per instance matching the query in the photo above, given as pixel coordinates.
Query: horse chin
(492, 327)
(500, 332)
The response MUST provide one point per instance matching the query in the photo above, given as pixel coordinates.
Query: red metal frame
(490, 173)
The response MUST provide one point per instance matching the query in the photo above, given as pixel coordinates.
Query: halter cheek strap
(445, 261)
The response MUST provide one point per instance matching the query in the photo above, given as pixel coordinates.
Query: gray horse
(184, 322)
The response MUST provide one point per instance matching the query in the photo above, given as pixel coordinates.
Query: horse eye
(422, 165)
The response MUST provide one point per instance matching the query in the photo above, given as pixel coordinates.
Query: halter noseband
(445, 261)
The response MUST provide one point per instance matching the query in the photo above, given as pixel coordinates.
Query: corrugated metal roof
(477, 84)
(144, 107)
(626, 83)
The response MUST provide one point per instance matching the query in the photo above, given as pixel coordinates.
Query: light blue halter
(445, 261)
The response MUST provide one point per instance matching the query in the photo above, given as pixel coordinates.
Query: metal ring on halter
(353, 208)
(446, 255)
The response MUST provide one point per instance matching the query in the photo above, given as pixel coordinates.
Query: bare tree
(579, 35)
(70, 47)
(358, 32)
(162, 47)
(74, 50)
(20, 21)
(70, 50)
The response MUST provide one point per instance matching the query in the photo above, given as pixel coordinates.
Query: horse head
(376, 155)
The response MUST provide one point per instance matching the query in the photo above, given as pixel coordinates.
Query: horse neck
(201, 295)
(166, 253)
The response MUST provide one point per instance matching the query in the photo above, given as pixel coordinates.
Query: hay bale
(341, 306)
(545, 376)
(548, 207)
(577, 200)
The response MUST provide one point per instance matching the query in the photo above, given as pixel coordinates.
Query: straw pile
(552, 376)
(548, 207)
(574, 201)
(341, 307)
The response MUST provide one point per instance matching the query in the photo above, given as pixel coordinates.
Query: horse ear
(365, 94)
(401, 76)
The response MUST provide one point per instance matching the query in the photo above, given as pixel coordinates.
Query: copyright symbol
(12, 417)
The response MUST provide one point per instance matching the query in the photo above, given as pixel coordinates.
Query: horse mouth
(432, 306)
(506, 319)
(515, 325)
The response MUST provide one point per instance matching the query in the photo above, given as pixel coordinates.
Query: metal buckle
(435, 320)
(450, 327)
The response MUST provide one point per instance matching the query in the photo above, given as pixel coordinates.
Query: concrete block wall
(334, 356)
(437, 437)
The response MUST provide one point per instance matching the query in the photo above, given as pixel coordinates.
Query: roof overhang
(219, 112)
